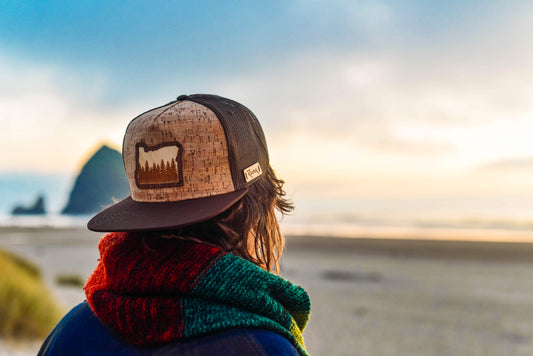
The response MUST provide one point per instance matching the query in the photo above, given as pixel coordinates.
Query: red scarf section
(136, 289)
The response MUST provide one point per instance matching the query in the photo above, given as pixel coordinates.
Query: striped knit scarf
(178, 289)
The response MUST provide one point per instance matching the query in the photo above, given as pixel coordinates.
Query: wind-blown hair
(249, 228)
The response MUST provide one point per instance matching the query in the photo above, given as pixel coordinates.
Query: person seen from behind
(190, 263)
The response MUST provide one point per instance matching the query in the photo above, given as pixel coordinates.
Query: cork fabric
(176, 152)
(248, 152)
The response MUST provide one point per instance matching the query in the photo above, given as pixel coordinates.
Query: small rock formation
(101, 182)
(36, 209)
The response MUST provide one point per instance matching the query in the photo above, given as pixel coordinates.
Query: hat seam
(231, 152)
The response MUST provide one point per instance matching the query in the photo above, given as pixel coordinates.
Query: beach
(415, 297)
(370, 296)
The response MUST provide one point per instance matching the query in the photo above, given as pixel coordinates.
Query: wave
(47, 220)
(344, 226)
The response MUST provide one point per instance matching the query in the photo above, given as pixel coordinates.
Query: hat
(186, 162)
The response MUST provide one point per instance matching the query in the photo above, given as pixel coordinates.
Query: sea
(344, 225)
(463, 218)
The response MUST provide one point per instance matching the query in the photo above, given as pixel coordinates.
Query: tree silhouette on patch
(165, 172)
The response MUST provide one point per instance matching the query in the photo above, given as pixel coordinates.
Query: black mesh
(246, 140)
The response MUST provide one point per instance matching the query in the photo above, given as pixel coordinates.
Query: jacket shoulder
(272, 342)
(79, 329)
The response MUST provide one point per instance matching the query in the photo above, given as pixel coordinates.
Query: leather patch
(158, 166)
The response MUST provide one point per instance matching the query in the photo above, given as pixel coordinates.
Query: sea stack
(101, 182)
(36, 209)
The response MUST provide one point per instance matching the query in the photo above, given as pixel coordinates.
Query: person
(190, 264)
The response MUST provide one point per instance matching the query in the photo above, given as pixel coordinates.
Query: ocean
(348, 226)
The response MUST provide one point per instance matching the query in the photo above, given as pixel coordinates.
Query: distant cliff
(101, 182)
(36, 209)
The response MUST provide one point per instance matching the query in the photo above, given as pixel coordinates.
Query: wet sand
(369, 296)
(413, 297)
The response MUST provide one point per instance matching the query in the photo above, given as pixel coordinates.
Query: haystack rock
(101, 182)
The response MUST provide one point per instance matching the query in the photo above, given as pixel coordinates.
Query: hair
(249, 228)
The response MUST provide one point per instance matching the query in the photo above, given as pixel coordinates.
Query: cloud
(509, 164)
(360, 98)
(364, 20)
(374, 76)
(48, 121)
(412, 95)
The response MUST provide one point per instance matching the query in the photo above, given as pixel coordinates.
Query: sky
(385, 103)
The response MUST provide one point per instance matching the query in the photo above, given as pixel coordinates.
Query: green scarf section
(236, 293)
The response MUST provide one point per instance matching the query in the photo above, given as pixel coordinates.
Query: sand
(369, 296)
(391, 297)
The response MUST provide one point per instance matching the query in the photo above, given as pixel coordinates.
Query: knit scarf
(176, 289)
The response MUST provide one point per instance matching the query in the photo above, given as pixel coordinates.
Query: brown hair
(249, 228)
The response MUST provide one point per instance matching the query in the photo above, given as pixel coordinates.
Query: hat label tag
(252, 172)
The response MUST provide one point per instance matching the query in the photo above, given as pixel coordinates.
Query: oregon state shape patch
(158, 166)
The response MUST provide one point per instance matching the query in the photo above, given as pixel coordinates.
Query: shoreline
(397, 246)
(493, 251)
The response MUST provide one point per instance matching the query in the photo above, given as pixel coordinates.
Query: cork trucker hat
(186, 162)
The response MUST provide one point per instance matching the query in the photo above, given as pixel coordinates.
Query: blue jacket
(80, 332)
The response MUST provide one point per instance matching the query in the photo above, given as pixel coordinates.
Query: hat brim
(130, 215)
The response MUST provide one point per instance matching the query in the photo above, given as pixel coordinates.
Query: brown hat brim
(130, 215)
